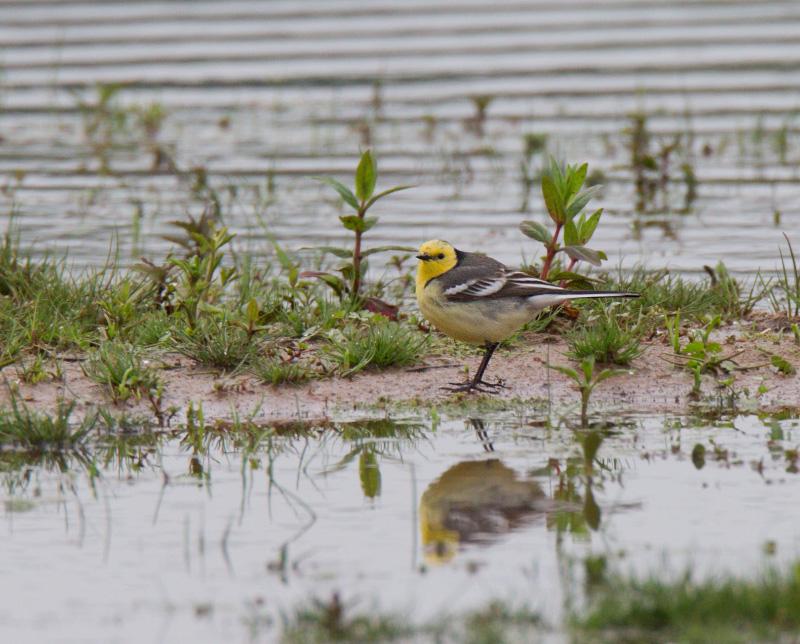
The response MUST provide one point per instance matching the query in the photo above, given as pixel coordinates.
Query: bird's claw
(480, 387)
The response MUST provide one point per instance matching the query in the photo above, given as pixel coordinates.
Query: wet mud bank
(653, 384)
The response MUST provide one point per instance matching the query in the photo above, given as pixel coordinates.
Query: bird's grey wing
(500, 285)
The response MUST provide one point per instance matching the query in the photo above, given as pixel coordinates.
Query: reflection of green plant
(580, 512)
(103, 122)
(586, 380)
(498, 622)
(534, 146)
(477, 122)
(565, 200)
(361, 201)
(150, 119)
(369, 473)
(683, 609)
(652, 169)
(331, 621)
(28, 429)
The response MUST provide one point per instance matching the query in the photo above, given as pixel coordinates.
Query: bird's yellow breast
(472, 322)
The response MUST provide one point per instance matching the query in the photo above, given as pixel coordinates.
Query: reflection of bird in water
(472, 501)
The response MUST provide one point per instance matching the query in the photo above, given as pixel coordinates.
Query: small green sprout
(586, 380)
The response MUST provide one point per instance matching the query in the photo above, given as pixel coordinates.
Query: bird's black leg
(483, 436)
(478, 383)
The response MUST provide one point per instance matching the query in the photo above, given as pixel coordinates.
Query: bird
(478, 300)
(474, 501)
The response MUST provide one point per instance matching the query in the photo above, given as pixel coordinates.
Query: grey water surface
(263, 95)
(168, 541)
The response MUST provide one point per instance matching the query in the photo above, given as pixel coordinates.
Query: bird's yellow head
(435, 257)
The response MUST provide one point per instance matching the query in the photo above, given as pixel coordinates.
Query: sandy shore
(654, 384)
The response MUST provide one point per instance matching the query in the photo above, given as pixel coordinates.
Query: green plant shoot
(565, 198)
(360, 200)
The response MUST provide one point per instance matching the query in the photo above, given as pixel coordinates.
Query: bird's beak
(424, 257)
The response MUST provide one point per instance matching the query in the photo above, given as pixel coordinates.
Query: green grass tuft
(664, 293)
(120, 367)
(277, 372)
(381, 345)
(216, 342)
(608, 337)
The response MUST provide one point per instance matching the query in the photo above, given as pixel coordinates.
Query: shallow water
(252, 89)
(158, 547)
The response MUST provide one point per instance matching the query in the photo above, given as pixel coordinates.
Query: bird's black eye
(440, 256)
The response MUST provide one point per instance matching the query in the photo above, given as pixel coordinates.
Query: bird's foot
(481, 386)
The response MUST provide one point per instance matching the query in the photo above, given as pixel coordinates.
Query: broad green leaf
(552, 199)
(611, 373)
(583, 254)
(557, 176)
(331, 250)
(366, 175)
(338, 286)
(572, 278)
(589, 226)
(567, 371)
(535, 230)
(575, 179)
(381, 195)
(695, 348)
(346, 270)
(383, 249)
(252, 310)
(369, 222)
(578, 202)
(283, 258)
(334, 282)
(571, 234)
(343, 190)
(356, 223)
(587, 366)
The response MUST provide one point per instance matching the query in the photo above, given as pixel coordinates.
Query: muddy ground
(653, 384)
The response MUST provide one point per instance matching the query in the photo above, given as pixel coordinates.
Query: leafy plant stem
(362, 210)
(552, 248)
